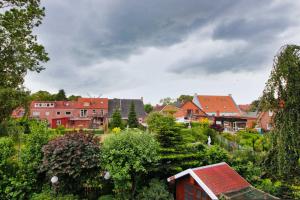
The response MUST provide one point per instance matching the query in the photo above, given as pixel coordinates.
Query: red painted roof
(221, 178)
(218, 104)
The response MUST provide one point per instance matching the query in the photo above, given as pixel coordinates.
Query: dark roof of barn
(124, 106)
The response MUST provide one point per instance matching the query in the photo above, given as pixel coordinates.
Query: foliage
(127, 156)
(268, 186)
(106, 197)
(11, 99)
(19, 50)
(132, 120)
(73, 97)
(157, 121)
(61, 95)
(47, 194)
(42, 96)
(254, 106)
(214, 154)
(281, 95)
(74, 158)
(156, 190)
(184, 98)
(166, 101)
(116, 120)
(116, 130)
(148, 108)
(27, 178)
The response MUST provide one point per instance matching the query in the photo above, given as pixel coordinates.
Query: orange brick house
(189, 111)
(224, 111)
(264, 120)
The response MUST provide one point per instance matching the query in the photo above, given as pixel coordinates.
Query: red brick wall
(264, 120)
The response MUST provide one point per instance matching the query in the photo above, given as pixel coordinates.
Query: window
(68, 113)
(47, 113)
(94, 111)
(102, 112)
(86, 104)
(83, 113)
(269, 126)
(58, 113)
(270, 113)
(36, 113)
(58, 122)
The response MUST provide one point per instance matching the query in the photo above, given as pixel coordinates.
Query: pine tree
(116, 119)
(132, 120)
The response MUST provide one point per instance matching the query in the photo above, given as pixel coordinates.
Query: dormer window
(86, 104)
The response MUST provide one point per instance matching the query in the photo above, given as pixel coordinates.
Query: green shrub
(106, 197)
(214, 154)
(47, 194)
(156, 190)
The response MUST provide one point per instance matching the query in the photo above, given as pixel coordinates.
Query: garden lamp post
(54, 181)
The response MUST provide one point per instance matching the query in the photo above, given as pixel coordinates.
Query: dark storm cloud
(84, 36)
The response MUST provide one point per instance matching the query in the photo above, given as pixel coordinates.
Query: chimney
(142, 98)
(230, 95)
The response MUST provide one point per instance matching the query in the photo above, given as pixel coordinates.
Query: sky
(155, 49)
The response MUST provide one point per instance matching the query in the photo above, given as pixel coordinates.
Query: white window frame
(58, 122)
(83, 113)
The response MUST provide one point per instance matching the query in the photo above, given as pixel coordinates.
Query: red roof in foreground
(221, 178)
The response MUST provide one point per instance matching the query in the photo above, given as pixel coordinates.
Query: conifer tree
(116, 119)
(132, 120)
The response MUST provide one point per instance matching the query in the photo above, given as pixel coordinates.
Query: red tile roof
(221, 178)
(218, 104)
(92, 103)
(245, 107)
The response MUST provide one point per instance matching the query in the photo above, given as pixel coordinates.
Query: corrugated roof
(221, 178)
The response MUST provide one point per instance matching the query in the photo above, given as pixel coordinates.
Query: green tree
(19, 50)
(132, 120)
(42, 96)
(282, 96)
(73, 97)
(74, 158)
(127, 156)
(167, 100)
(254, 106)
(148, 108)
(184, 98)
(116, 120)
(61, 95)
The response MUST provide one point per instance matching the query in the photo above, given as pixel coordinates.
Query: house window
(36, 113)
(102, 112)
(86, 104)
(188, 192)
(94, 111)
(58, 122)
(83, 113)
(269, 126)
(270, 113)
(68, 113)
(58, 113)
(47, 113)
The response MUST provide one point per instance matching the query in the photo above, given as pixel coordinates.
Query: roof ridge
(212, 165)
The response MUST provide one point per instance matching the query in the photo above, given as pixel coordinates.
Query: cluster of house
(82, 113)
(221, 110)
(96, 112)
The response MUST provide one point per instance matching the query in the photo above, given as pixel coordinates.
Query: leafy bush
(47, 194)
(156, 190)
(214, 154)
(128, 155)
(106, 197)
(268, 186)
(73, 158)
